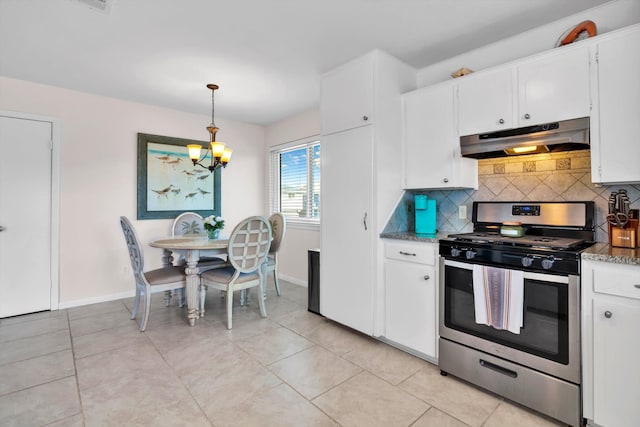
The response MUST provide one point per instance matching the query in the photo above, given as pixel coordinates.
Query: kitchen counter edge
(413, 237)
(607, 253)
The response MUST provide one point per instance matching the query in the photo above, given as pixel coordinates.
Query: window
(295, 181)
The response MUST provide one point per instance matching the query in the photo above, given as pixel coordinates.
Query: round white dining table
(192, 248)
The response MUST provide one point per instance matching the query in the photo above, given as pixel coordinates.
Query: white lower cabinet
(611, 343)
(410, 280)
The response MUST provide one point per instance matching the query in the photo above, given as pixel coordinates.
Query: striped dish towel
(498, 296)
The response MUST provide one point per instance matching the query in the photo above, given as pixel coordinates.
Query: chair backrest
(249, 244)
(188, 223)
(278, 228)
(133, 245)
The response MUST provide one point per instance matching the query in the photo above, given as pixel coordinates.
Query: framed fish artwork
(169, 183)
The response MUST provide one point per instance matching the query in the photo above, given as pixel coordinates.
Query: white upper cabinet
(431, 147)
(615, 124)
(349, 91)
(546, 88)
(485, 102)
(554, 87)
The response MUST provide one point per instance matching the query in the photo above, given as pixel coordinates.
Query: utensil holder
(627, 236)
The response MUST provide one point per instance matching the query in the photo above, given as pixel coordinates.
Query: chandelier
(220, 155)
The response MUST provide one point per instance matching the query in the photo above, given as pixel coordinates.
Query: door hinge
(597, 57)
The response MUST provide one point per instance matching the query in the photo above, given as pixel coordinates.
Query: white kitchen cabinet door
(616, 370)
(346, 96)
(348, 228)
(615, 127)
(410, 306)
(431, 147)
(554, 87)
(486, 102)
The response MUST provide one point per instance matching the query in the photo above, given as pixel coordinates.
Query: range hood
(565, 135)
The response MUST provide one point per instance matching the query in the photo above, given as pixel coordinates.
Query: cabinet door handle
(364, 221)
(365, 118)
(445, 180)
(527, 116)
(635, 286)
(426, 277)
(608, 314)
(407, 253)
(501, 121)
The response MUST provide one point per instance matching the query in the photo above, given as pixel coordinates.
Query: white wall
(293, 252)
(607, 17)
(98, 180)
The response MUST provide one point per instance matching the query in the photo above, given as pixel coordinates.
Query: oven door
(549, 340)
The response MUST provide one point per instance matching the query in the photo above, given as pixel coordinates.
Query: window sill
(303, 225)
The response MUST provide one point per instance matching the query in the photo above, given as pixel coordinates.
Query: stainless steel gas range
(510, 303)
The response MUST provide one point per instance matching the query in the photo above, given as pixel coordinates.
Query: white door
(25, 216)
(348, 229)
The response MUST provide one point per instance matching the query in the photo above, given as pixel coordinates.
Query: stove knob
(526, 261)
(548, 263)
(470, 254)
(455, 252)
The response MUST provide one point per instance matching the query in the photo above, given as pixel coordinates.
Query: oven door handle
(527, 274)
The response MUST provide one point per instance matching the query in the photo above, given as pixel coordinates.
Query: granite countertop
(409, 235)
(598, 252)
(607, 253)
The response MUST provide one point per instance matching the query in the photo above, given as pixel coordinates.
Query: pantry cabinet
(359, 183)
(411, 288)
(545, 88)
(610, 320)
(615, 128)
(431, 147)
(349, 92)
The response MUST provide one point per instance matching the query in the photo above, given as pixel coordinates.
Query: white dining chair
(278, 224)
(249, 245)
(191, 223)
(164, 279)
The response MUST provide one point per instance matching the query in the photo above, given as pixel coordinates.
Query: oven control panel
(550, 261)
(525, 210)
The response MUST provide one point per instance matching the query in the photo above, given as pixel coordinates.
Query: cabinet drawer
(423, 253)
(617, 279)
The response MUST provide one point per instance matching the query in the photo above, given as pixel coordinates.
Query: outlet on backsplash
(462, 212)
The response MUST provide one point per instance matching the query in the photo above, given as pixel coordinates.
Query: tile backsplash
(562, 176)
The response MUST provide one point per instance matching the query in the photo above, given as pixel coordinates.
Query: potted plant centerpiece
(213, 224)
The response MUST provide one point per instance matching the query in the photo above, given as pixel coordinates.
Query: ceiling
(266, 55)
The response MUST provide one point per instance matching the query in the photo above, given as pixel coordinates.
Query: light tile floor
(90, 366)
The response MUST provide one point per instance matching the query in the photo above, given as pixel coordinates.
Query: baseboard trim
(293, 280)
(95, 300)
(132, 293)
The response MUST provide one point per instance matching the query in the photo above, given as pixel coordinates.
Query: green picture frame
(168, 182)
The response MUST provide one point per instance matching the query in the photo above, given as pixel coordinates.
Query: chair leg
(229, 307)
(275, 279)
(203, 296)
(136, 304)
(147, 307)
(181, 297)
(263, 308)
(167, 298)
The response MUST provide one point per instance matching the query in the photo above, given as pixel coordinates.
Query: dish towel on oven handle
(498, 296)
